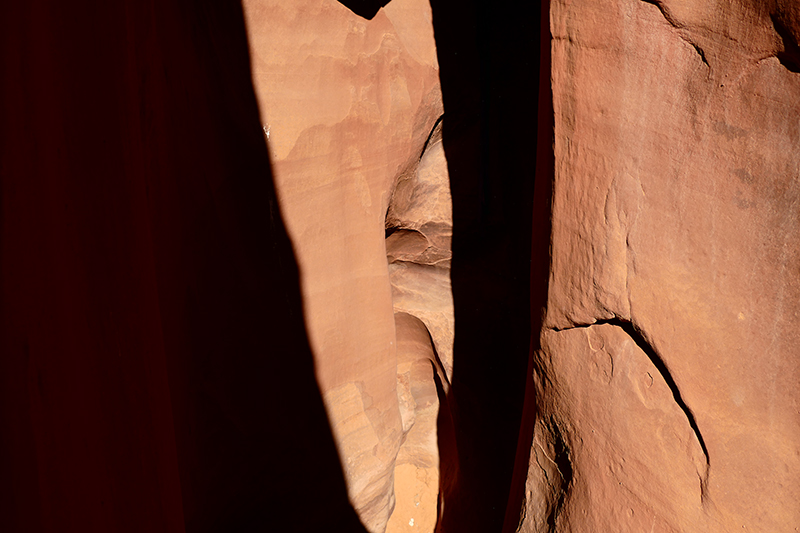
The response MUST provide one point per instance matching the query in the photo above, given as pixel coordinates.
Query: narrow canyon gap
(568, 228)
(490, 136)
(350, 102)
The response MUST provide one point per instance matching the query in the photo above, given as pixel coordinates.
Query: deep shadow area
(364, 8)
(790, 55)
(564, 466)
(489, 60)
(155, 371)
(540, 263)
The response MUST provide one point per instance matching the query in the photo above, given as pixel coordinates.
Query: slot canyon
(400, 266)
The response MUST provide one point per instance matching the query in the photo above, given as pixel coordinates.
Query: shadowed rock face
(668, 376)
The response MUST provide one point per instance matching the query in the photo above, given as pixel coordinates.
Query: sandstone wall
(669, 378)
(348, 106)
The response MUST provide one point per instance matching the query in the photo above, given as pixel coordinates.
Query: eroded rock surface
(668, 380)
(419, 225)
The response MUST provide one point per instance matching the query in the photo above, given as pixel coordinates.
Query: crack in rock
(682, 29)
(639, 339)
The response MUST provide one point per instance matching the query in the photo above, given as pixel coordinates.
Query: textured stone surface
(420, 219)
(668, 380)
(347, 105)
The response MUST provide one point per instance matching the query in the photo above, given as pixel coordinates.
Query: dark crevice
(564, 465)
(364, 8)
(430, 136)
(489, 138)
(442, 381)
(790, 55)
(400, 229)
(638, 337)
(672, 21)
(700, 52)
(665, 13)
(390, 228)
(445, 434)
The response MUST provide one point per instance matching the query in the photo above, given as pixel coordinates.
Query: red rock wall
(348, 105)
(668, 379)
